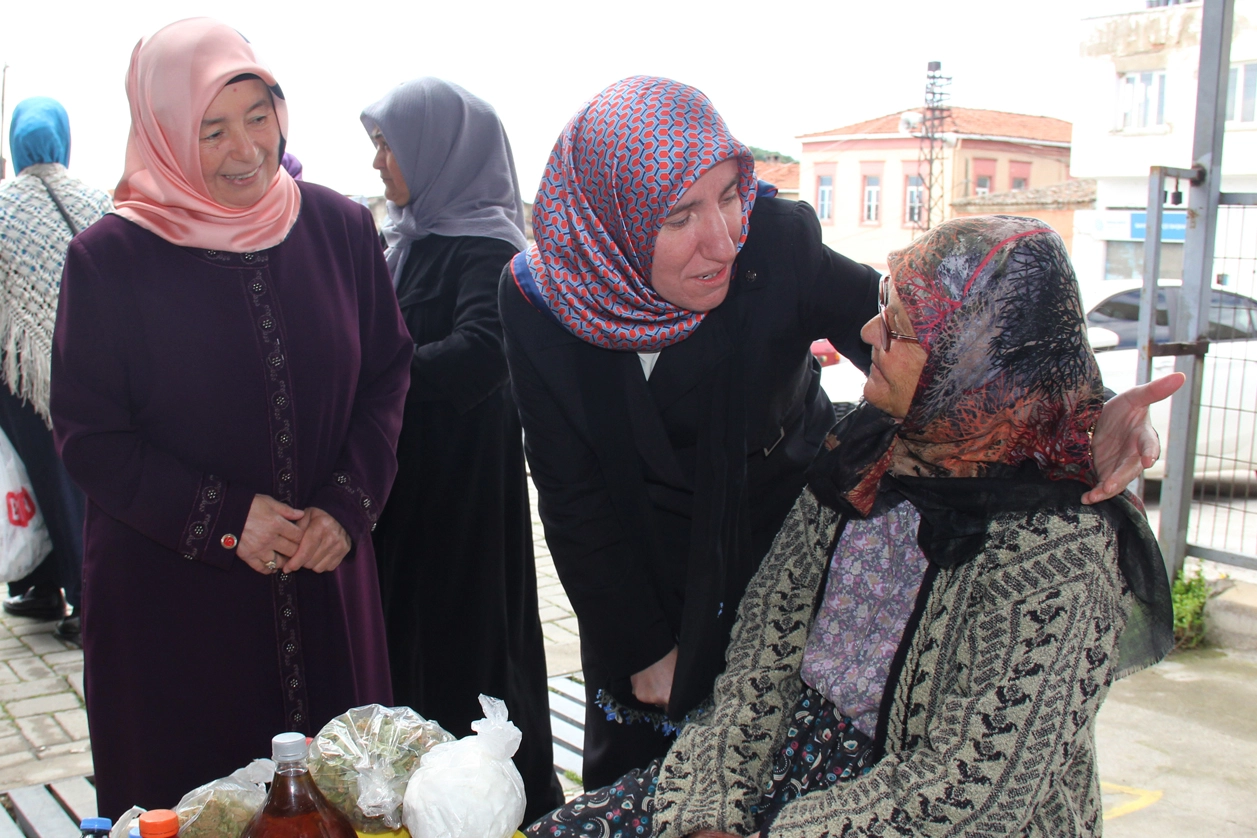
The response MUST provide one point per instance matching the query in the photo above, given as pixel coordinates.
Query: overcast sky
(773, 69)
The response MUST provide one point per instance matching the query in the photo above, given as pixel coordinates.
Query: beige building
(1054, 205)
(1136, 109)
(867, 180)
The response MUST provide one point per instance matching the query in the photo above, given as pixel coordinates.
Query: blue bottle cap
(95, 826)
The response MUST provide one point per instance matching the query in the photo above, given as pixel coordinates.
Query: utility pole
(4, 82)
(933, 125)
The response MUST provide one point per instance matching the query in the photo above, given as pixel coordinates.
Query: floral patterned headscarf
(619, 166)
(1009, 375)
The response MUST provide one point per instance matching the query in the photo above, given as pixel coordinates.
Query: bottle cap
(93, 826)
(289, 747)
(159, 823)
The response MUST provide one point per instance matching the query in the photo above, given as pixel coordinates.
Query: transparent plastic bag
(361, 761)
(122, 826)
(225, 807)
(469, 788)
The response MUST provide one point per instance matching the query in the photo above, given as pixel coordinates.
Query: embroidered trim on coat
(281, 418)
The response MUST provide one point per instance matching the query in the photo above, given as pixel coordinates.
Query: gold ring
(271, 565)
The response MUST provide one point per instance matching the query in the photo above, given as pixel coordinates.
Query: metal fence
(1222, 519)
(1209, 497)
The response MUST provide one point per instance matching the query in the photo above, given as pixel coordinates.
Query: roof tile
(969, 121)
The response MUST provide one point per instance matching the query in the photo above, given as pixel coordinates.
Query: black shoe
(36, 605)
(68, 628)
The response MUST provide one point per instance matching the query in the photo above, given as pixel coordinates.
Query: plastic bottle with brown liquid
(295, 808)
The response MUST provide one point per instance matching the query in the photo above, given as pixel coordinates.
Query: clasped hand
(277, 537)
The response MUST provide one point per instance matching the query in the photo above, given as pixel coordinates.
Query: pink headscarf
(173, 78)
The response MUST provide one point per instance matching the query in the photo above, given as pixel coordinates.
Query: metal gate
(1209, 496)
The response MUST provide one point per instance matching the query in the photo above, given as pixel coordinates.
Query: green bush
(1189, 595)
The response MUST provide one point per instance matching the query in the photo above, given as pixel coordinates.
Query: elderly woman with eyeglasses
(658, 336)
(924, 649)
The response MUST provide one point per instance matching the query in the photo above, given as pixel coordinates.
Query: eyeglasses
(883, 298)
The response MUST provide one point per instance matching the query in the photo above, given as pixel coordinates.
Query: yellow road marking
(1143, 799)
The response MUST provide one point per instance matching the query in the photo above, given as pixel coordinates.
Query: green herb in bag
(362, 760)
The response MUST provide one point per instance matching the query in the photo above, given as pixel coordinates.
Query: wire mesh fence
(1223, 516)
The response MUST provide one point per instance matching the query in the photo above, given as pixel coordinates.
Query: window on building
(914, 200)
(825, 196)
(1141, 100)
(982, 185)
(1125, 260)
(1241, 94)
(872, 198)
(1019, 175)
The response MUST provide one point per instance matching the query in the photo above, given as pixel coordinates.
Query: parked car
(1227, 441)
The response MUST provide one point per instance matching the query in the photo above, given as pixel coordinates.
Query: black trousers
(59, 499)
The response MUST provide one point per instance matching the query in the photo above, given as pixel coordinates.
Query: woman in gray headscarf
(454, 543)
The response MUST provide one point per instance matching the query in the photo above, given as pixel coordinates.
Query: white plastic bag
(469, 788)
(24, 539)
(122, 826)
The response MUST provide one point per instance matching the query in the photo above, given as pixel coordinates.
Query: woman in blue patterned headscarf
(659, 346)
(617, 169)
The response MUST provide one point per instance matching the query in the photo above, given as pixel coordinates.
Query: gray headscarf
(456, 159)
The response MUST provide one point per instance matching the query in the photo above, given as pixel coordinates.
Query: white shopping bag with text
(24, 539)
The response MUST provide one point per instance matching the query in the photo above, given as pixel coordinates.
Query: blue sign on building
(1173, 226)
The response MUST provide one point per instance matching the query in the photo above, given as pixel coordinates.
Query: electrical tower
(932, 207)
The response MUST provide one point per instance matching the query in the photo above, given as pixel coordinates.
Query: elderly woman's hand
(324, 543)
(1124, 443)
(270, 534)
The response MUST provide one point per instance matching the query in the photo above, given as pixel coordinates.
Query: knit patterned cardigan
(33, 242)
(988, 723)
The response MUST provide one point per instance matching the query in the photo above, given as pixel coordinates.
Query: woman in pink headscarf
(228, 377)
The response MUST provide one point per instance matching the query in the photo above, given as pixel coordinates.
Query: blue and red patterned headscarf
(619, 166)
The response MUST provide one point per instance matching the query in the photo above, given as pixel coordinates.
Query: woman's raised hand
(271, 533)
(324, 543)
(1124, 443)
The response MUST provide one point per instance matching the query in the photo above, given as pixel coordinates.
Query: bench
(567, 724)
(51, 811)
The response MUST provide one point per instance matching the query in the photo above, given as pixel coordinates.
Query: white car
(1227, 443)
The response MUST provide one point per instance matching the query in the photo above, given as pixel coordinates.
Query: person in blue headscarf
(41, 209)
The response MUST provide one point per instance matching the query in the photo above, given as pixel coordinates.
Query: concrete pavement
(1178, 748)
(43, 727)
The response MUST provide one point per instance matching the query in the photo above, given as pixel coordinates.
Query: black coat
(659, 497)
(454, 542)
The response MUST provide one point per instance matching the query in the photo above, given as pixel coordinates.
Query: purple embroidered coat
(185, 382)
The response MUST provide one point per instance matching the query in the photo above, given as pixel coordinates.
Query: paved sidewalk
(43, 728)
